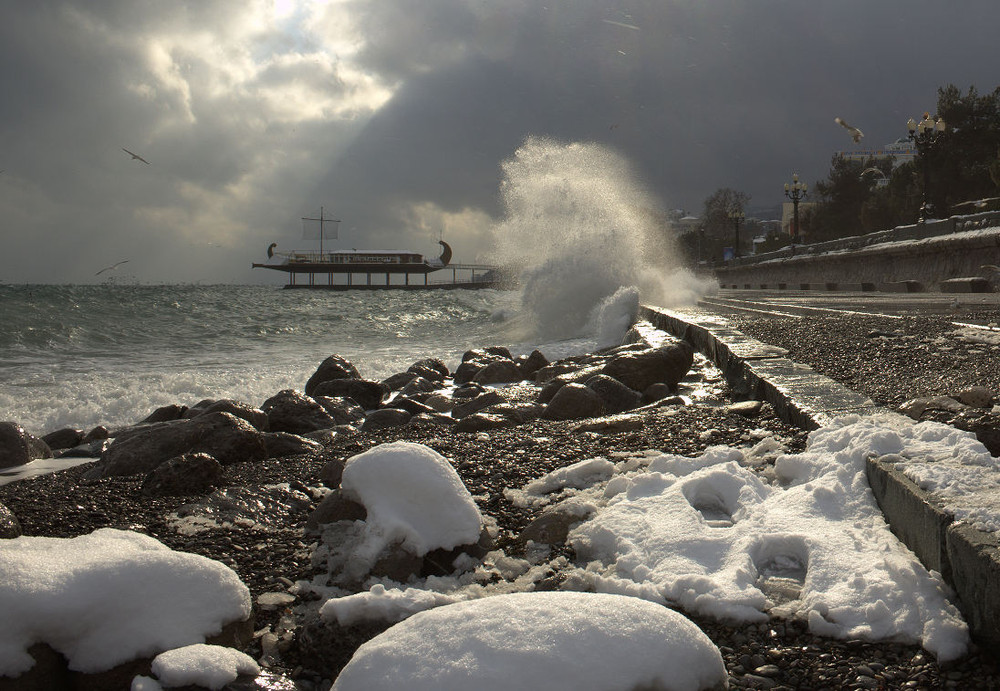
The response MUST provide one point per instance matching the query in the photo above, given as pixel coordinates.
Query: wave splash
(583, 235)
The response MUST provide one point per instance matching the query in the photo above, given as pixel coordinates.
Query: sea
(85, 355)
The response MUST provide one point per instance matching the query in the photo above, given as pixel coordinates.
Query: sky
(396, 117)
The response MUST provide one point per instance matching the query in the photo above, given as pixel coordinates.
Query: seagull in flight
(855, 133)
(135, 157)
(113, 266)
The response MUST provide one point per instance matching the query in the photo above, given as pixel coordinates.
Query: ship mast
(321, 220)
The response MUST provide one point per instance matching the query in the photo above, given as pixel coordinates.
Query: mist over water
(579, 228)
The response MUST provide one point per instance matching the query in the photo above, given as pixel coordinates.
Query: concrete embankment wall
(968, 559)
(946, 256)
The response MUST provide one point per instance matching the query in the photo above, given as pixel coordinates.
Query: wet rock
(290, 411)
(166, 413)
(10, 527)
(99, 432)
(612, 424)
(384, 418)
(976, 396)
(65, 438)
(430, 368)
(281, 444)
(431, 420)
(472, 362)
(93, 449)
(439, 403)
(574, 401)
(411, 405)
(18, 447)
(255, 416)
(467, 390)
(193, 473)
(531, 363)
(550, 528)
(419, 385)
(344, 411)
(334, 367)
(498, 372)
(482, 422)
(915, 408)
(399, 380)
(227, 438)
(475, 405)
(745, 408)
(616, 396)
(549, 390)
(327, 646)
(366, 393)
(333, 508)
(331, 473)
(638, 370)
(441, 562)
(656, 392)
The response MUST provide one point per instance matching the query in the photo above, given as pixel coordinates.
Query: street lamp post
(925, 135)
(737, 216)
(795, 191)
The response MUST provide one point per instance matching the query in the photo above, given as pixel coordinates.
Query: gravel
(775, 655)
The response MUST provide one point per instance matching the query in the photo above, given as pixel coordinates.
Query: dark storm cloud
(698, 95)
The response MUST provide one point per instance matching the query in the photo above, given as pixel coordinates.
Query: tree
(960, 166)
(718, 221)
(840, 199)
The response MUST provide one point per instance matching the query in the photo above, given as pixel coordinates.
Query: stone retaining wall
(945, 263)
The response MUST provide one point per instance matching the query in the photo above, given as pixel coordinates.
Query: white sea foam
(579, 226)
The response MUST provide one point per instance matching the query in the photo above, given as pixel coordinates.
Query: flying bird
(855, 133)
(113, 266)
(135, 157)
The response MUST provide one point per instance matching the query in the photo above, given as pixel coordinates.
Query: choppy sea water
(79, 356)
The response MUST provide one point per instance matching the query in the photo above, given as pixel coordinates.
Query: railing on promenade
(916, 231)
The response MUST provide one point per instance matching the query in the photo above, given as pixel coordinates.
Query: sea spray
(579, 227)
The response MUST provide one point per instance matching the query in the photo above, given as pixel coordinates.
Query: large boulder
(190, 473)
(368, 394)
(419, 385)
(397, 381)
(65, 438)
(291, 411)
(384, 418)
(472, 362)
(226, 437)
(531, 363)
(255, 416)
(483, 422)
(430, 368)
(345, 411)
(475, 405)
(574, 401)
(334, 367)
(498, 372)
(282, 444)
(166, 413)
(638, 370)
(616, 396)
(17, 447)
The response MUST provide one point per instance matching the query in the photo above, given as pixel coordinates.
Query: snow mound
(558, 641)
(207, 666)
(413, 496)
(109, 597)
(708, 535)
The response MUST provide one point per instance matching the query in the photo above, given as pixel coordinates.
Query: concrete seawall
(968, 559)
(946, 256)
